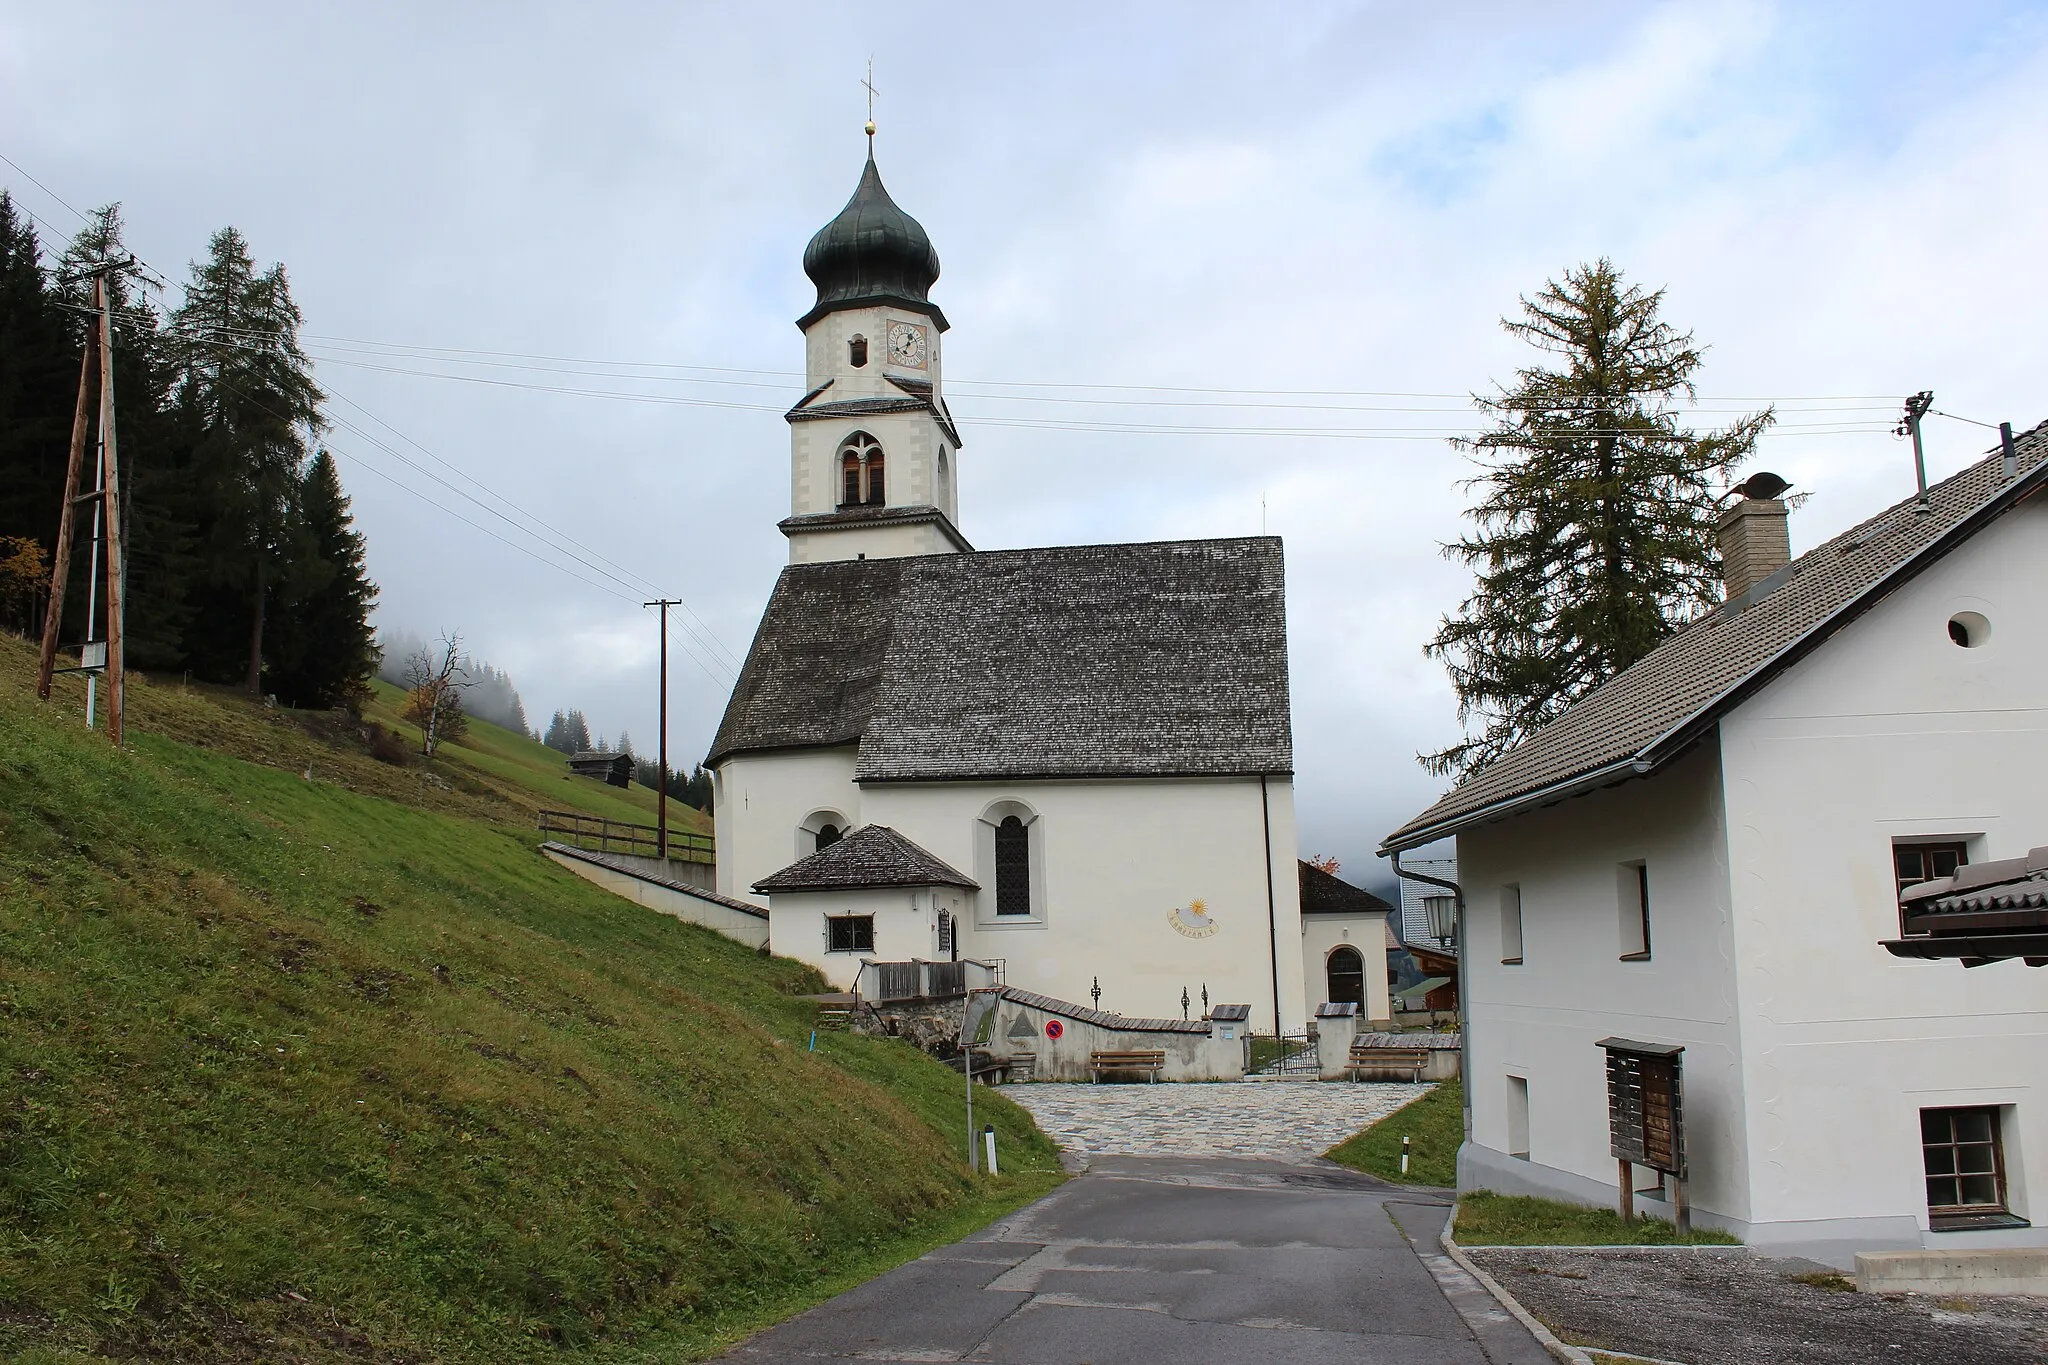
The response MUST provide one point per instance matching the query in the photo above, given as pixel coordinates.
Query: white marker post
(1404, 1156)
(988, 1142)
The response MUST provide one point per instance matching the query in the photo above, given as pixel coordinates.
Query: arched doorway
(1347, 976)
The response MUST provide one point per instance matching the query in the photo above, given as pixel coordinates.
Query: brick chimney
(1754, 543)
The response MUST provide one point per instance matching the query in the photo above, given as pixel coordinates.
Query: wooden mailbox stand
(1646, 1119)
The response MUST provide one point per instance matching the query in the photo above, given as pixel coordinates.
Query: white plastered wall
(1890, 732)
(1119, 857)
(1540, 1020)
(1321, 935)
(906, 926)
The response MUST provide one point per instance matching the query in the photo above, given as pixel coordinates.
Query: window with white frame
(1511, 924)
(1632, 886)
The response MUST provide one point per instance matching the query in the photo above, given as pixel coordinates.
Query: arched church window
(876, 492)
(860, 470)
(849, 479)
(1013, 867)
(1346, 971)
(857, 351)
(828, 835)
(945, 477)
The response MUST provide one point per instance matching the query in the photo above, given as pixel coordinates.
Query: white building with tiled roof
(1076, 761)
(1708, 853)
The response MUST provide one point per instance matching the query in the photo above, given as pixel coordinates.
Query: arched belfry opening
(861, 472)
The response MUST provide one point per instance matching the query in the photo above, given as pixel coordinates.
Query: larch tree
(1594, 535)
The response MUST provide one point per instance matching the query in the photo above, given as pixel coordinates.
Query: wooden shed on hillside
(614, 769)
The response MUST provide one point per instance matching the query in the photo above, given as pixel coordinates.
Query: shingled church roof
(1163, 659)
(873, 855)
(1659, 707)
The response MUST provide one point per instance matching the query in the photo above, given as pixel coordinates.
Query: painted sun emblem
(1192, 920)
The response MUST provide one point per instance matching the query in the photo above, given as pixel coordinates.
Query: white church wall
(1888, 733)
(1538, 1021)
(1322, 935)
(760, 800)
(906, 927)
(1120, 858)
(868, 542)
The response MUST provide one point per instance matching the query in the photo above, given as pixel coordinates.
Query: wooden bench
(1383, 1060)
(1151, 1061)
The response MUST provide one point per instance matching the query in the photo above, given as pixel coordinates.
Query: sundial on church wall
(1192, 920)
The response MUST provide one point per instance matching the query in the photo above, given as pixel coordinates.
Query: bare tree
(434, 687)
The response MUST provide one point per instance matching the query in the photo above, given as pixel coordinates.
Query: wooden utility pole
(661, 792)
(106, 500)
(60, 567)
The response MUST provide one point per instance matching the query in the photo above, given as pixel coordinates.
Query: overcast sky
(1844, 202)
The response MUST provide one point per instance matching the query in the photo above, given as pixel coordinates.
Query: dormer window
(860, 472)
(857, 351)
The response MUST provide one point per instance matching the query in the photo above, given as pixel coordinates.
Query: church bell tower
(874, 455)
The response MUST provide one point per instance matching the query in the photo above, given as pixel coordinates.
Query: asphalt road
(1181, 1260)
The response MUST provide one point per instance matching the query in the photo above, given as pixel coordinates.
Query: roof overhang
(1679, 738)
(860, 519)
(1975, 950)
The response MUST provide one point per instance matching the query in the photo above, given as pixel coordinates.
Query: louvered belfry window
(849, 490)
(1013, 867)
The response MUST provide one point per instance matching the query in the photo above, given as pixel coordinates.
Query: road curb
(1569, 1355)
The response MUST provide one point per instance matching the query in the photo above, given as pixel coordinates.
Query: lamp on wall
(1442, 912)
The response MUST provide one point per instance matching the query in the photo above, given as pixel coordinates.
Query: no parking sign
(1054, 1028)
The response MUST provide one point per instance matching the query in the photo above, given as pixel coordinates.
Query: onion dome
(873, 252)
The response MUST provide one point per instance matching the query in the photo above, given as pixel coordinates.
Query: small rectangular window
(1518, 1117)
(1511, 924)
(1633, 886)
(1964, 1163)
(850, 933)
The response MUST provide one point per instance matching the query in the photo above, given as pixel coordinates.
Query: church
(1072, 763)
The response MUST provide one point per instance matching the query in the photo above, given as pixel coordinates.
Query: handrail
(640, 841)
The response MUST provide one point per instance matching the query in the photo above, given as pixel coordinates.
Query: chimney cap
(1761, 486)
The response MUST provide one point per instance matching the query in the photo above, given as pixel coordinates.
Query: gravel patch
(1731, 1308)
(1284, 1120)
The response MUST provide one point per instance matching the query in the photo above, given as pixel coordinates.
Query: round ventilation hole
(1968, 629)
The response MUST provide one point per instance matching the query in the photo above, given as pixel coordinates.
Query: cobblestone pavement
(1716, 1307)
(1286, 1120)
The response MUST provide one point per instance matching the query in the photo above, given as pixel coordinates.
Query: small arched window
(857, 351)
(1347, 976)
(1013, 867)
(828, 835)
(945, 477)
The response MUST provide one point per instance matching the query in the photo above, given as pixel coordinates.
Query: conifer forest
(244, 566)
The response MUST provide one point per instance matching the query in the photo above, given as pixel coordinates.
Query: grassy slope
(527, 772)
(342, 1068)
(1436, 1124)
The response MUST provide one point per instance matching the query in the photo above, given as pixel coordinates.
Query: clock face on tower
(907, 344)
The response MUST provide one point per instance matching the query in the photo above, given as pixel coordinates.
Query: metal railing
(599, 835)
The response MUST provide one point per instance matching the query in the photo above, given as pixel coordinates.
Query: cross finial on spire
(869, 83)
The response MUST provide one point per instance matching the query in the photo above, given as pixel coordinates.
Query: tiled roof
(1165, 659)
(847, 517)
(2007, 884)
(1325, 894)
(871, 856)
(1102, 1018)
(1656, 709)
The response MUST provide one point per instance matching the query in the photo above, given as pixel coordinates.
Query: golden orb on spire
(871, 127)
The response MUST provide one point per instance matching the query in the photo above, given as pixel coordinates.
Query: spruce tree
(1595, 525)
(38, 383)
(248, 390)
(326, 651)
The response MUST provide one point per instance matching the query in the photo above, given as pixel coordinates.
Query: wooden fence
(600, 835)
